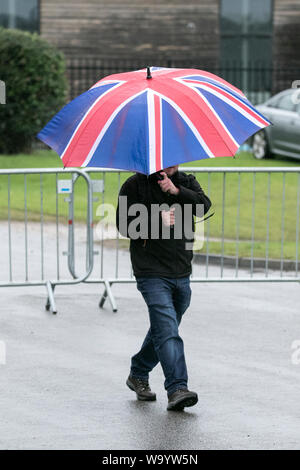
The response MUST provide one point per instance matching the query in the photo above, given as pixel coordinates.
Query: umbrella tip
(148, 73)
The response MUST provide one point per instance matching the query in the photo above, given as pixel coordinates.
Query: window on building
(20, 14)
(246, 43)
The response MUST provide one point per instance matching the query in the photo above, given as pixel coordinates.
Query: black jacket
(161, 257)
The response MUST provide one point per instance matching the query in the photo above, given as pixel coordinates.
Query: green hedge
(36, 87)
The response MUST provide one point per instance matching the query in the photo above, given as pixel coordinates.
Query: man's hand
(166, 185)
(168, 217)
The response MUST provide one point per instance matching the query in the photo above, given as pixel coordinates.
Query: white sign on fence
(64, 186)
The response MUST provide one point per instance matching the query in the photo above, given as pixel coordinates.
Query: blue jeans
(167, 300)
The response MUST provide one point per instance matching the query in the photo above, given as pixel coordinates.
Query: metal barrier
(28, 242)
(256, 213)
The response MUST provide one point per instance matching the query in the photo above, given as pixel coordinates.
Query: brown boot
(181, 398)
(141, 388)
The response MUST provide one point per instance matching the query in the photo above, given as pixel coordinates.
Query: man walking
(162, 267)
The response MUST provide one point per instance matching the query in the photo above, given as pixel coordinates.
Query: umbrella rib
(183, 89)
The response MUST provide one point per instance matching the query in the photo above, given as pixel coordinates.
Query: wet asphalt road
(63, 385)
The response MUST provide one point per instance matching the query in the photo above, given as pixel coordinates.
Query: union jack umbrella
(151, 119)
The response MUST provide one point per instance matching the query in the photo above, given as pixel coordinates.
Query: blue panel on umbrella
(238, 125)
(179, 143)
(126, 141)
(59, 130)
(217, 83)
(227, 90)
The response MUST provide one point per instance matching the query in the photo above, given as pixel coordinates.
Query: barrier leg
(108, 293)
(50, 299)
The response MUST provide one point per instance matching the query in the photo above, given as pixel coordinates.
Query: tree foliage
(36, 87)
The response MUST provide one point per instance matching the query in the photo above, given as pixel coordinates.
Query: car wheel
(260, 146)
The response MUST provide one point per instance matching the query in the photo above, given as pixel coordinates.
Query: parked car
(283, 137)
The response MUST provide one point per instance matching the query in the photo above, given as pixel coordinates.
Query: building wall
(133, 29)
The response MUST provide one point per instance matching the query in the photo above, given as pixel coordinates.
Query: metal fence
(253, 236)
(28, 240)
(258, 80)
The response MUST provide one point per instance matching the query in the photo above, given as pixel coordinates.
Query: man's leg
(168, 345)
(146, 359)
(182, 296)
(181, 398)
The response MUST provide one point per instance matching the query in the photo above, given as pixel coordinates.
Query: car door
(285, 120)
(267, 109)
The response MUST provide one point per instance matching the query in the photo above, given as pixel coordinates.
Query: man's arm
(123, 219)
(193, 195)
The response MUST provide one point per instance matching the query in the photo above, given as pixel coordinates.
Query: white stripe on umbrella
(232, 104)
(190, 124)
(217, 116)
(151, 126)
(88, 111)
(105, 82)
(214, 81)
(158, 132)
(107, 124)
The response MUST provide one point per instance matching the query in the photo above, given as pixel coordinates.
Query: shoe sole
(139, 397)
(181, 403)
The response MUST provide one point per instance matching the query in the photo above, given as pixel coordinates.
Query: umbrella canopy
(151, 119)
